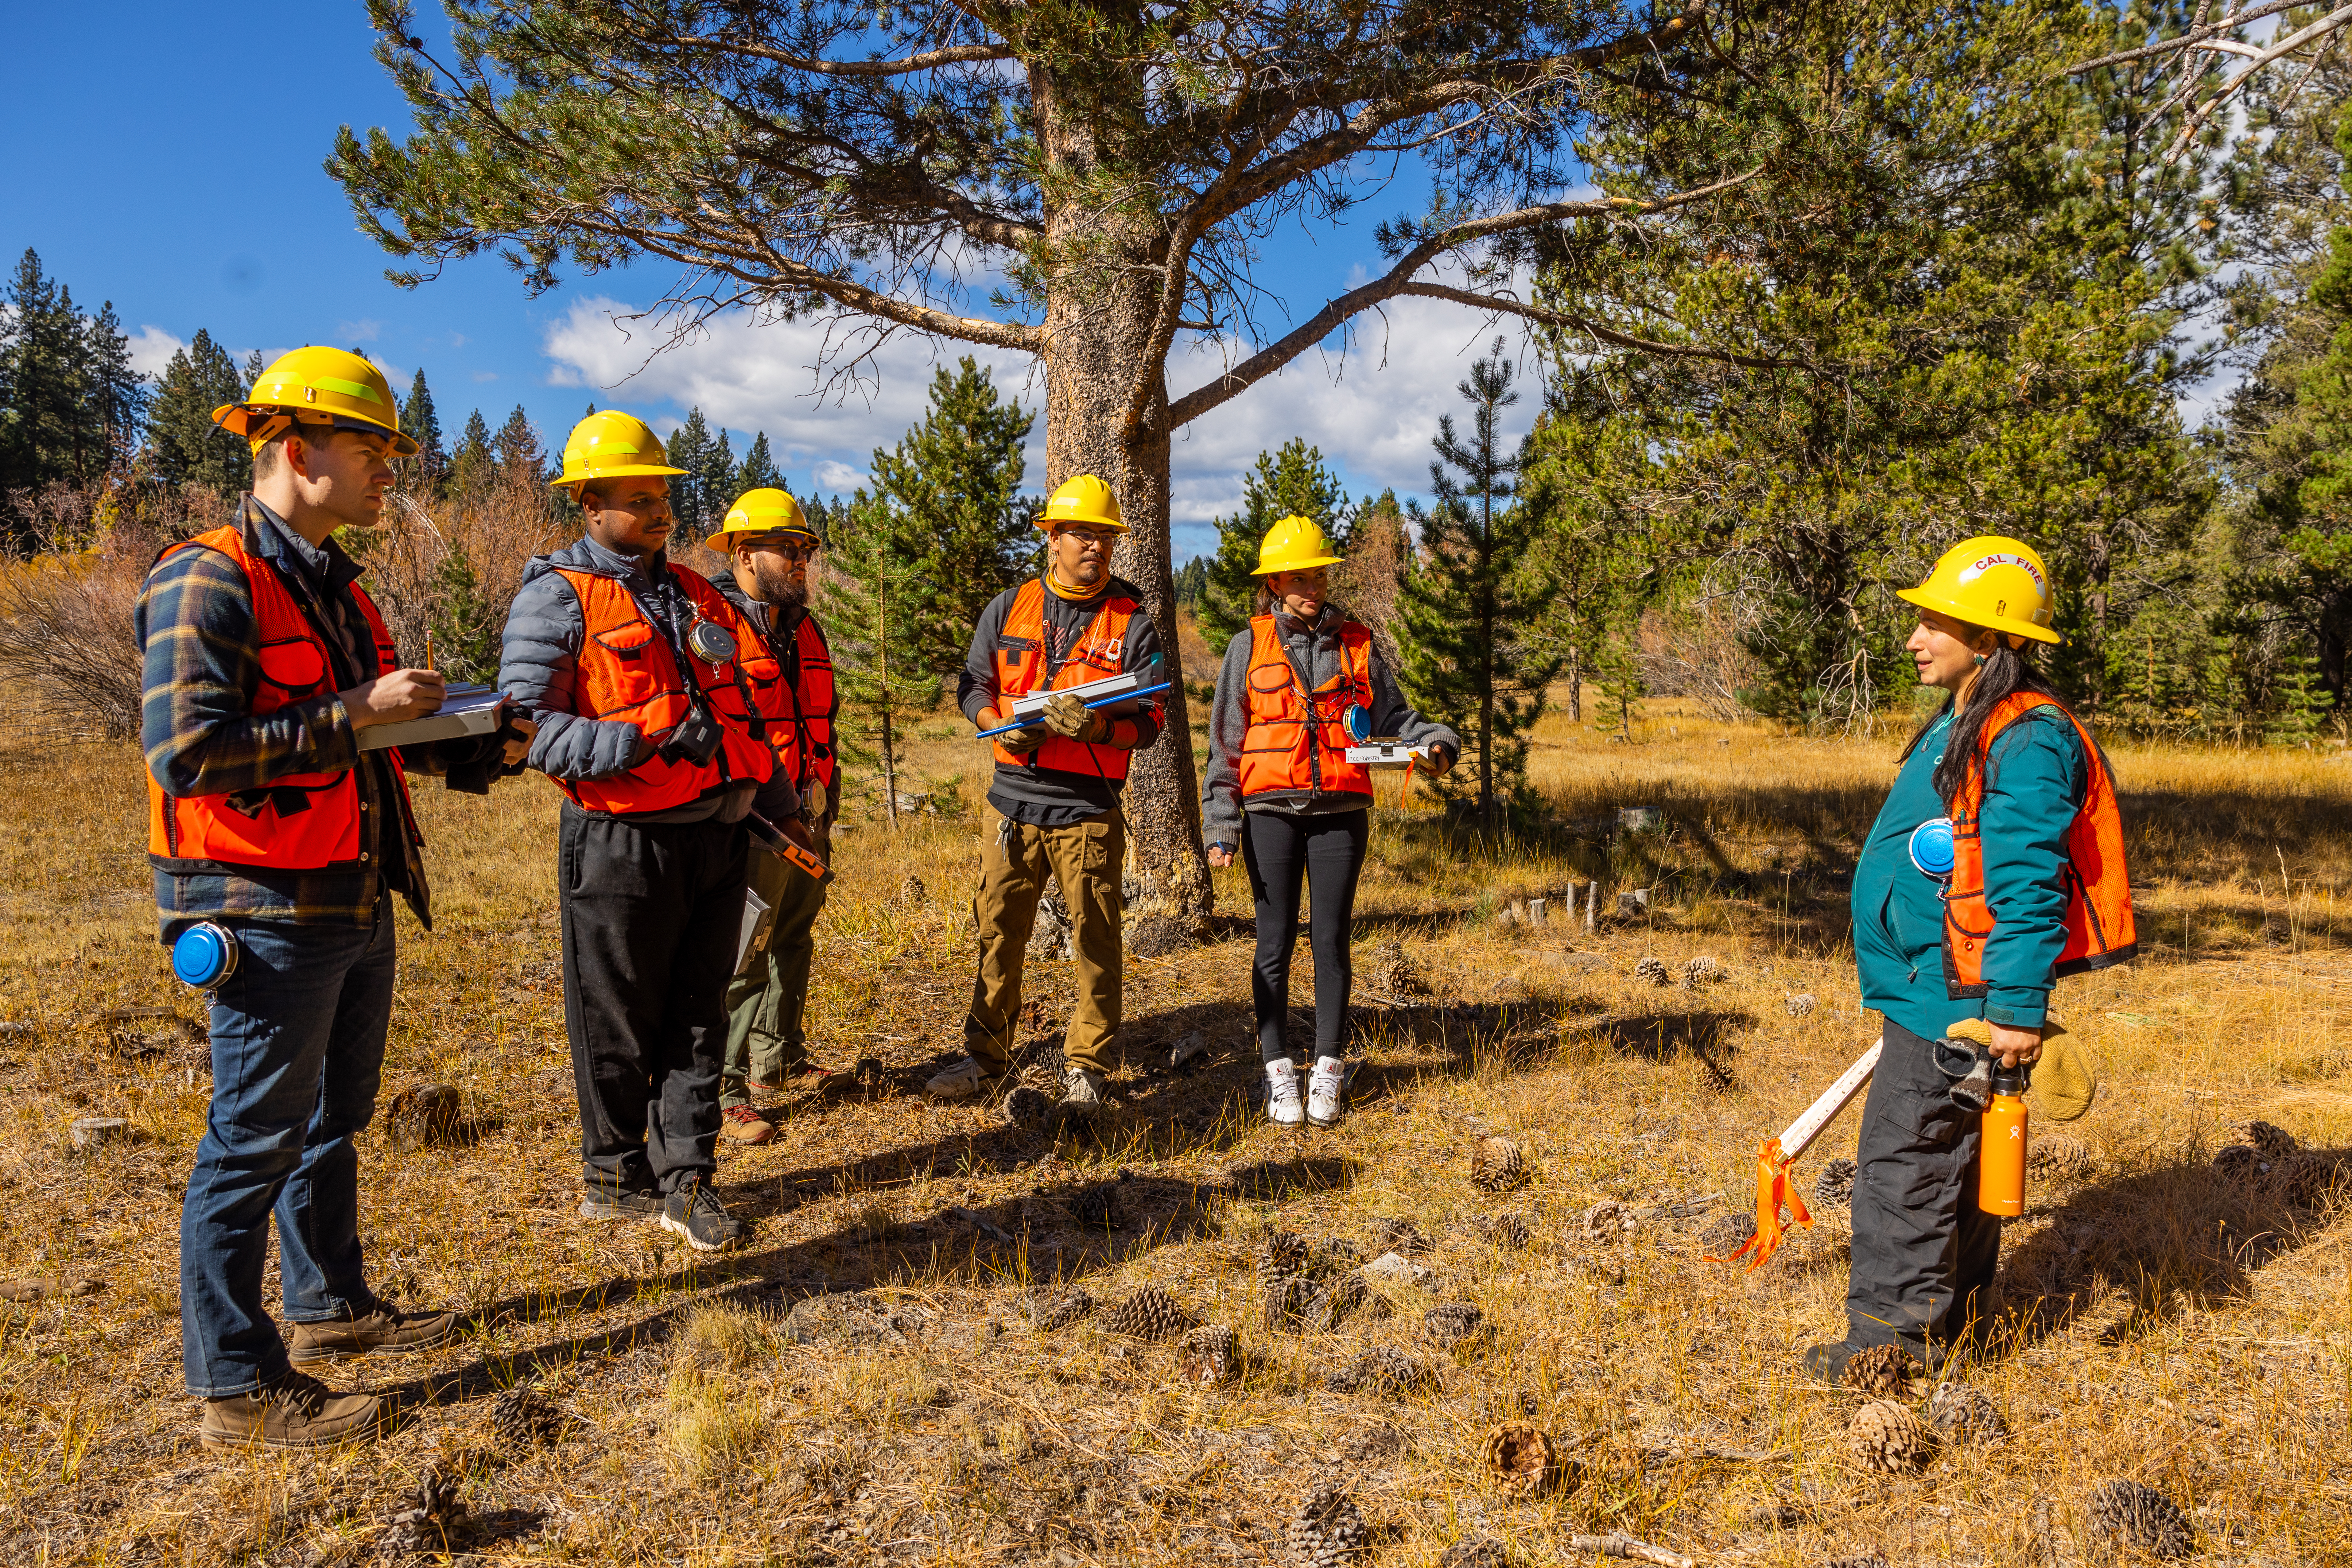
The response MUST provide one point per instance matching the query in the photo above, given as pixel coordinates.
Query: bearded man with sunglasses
(1054, 794)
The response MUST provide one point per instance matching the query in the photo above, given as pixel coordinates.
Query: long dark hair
(2006, 671)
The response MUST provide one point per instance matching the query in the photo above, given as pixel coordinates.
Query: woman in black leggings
(1298, 688)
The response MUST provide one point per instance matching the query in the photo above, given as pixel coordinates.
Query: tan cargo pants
(1090, 858)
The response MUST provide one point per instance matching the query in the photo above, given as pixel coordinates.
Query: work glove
(1023, 740)
(1067, 716)
(2065, 1080)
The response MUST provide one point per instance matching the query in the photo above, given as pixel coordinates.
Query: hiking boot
(1826, 1363)
(292, 1410)
(745, 1125)
(607, 1202)
(966, 1079)
(808, 1076)
(1323, 1092)
(1082, 1093)
(383, 1332)
(695, 1213)
(1281, 1107)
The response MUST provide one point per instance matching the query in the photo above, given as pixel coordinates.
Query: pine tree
(869, 599)
(188, 448)
(473, 465)
(1289, 482)
(948, 498)
(52, 419)
(467, 628)
(519, 457)
(428, 470)
(120, 393)
(758, 471)
(1466, 661)
(697, 512)
(714, 477)
(1193, 583)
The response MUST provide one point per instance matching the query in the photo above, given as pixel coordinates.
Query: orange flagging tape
(1772, 1191)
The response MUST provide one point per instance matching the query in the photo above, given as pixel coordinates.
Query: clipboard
(466, 710)
(1388, 754)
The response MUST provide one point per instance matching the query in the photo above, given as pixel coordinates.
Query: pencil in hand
(428, 650)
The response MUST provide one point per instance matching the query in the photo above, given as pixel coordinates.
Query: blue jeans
(298, 1036)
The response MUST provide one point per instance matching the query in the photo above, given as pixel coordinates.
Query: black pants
(1924, 1254)
(651, 918)
(1327, 851)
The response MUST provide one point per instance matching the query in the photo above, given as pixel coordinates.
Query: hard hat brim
(1971, 616)
(1050, 523)
(1308, 565)
(238, 419)
(627, 471)
(777, 531)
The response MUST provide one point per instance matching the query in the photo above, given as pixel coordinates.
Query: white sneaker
(1082, 1091)
(963, 1079)
(1323, 1089)
(1281, 1107)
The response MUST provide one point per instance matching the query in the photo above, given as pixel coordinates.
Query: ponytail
(2005, 672)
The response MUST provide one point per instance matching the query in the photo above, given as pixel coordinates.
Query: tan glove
(2065, 1080)
(1024, 740)
(1069, 718)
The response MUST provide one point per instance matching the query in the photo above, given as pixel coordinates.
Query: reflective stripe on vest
(298, 822)
(627, 673)
(1021, 666)
(1296, 742)
(800, 713)
(2100, 931)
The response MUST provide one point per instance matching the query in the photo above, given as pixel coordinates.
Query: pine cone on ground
(1484, 1551)
(1726, 1234)
(1888, 1438)
(1607, 1219)
(1858, 1560)
(1150, 1313)
(1025, 1107)
(1371, 1447)
(1391, 974)
(1329, 1531)
(1497, 1165)
(1051, 1310)
(1703, 970)
(1523, 1461)
(1383, 1371)
(2056, 1157)
(1399, 1236)
(1505, 1230)
(1283, 1257)
(1210, 1354)
(1337, 1252)
(425, 1114)
(2270, 1142)
(1096, 1208)
(1833, 1188)
(2238, 1163)
(524, 1419)
(912, 889)
(1339, 1298)
(1653, 971)
(2128, 1514)
(434, 1516)
(1964, 1415)
(2302, 1180)
(1448, 1325)
(1285, 1302)
(1800, 1005)
(1880, 1370)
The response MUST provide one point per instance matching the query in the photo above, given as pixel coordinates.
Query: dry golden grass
(2184, 1332)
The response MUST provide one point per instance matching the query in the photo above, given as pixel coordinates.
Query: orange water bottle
(2000, 1161)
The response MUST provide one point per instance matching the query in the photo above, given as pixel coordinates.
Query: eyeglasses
(1086, 537)
(793, 551)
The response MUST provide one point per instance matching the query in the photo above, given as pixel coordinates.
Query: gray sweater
(1314, 657)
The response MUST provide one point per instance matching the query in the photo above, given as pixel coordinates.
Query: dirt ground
(2166, 1323)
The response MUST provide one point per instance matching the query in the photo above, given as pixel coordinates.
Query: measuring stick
(1100, 702)
(1817, 1116)
(1775, 1155)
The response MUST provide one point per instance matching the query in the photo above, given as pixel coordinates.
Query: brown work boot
(293, 1410)
(383, 1330)
(745, 1125)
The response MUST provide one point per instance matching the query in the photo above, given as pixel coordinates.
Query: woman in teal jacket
(2039, 864)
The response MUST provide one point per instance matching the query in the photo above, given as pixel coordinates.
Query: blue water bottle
(205, 955)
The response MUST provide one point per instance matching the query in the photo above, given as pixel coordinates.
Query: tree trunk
(2096, 671)
(1575, 685)
(1098, 320)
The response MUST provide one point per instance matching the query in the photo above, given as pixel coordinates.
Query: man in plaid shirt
(263, 660)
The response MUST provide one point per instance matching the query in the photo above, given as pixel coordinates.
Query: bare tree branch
(2212, 37)
(930, 59)
(1503, 304)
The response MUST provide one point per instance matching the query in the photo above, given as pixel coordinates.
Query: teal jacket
(2035, 785)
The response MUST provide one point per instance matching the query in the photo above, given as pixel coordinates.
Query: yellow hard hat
(1084, 498)
(612, 445)
(1294, 544)
(761, 511)
(1993, 582)
(315, 386)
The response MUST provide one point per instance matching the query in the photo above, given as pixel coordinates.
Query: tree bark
(1098, 320)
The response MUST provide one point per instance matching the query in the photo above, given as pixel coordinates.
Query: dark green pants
(769, 991)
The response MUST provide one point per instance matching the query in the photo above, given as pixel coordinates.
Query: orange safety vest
(627, 672)
(1298, 741)
(296, 822)
(2099, 927)
(799, 711)
(1021, 664)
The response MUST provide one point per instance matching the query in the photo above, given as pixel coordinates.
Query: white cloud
(152, 349)
(480, 375)
(1372, 409)
(364, 330)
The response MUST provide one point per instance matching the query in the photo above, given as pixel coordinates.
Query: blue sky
(181, 179)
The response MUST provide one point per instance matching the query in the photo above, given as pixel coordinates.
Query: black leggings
(1327, 850)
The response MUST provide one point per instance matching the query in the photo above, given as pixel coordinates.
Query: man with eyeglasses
(1054, 794)
(768, 542)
